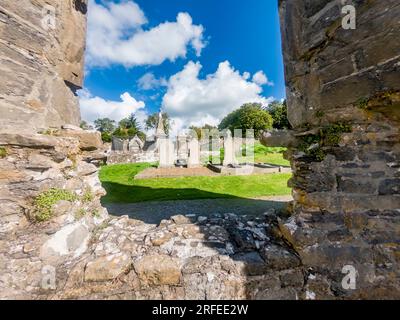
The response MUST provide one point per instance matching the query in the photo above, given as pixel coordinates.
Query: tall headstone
(166, 153)
(182, 147)
(229, 150)
(194, 153)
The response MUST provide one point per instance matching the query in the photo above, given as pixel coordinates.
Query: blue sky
(212, 46)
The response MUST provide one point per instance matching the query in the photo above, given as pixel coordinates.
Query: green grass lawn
(262, 154)
(270, 155)
(271, 158)
(121, 187)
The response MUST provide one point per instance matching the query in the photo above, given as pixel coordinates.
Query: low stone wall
(77, 251)
(117, 157)
(248, 169)
(219, 257)
(38, 235)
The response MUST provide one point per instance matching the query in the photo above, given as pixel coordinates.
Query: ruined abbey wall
(41, 62)
(343, 93)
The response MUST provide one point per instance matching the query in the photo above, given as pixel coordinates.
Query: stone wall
(42, 67)
(343, 92)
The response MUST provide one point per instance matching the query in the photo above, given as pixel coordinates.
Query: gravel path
(155, 211)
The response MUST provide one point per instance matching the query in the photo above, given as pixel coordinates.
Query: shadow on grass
(151, 205)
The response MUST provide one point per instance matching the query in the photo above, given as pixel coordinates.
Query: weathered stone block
(156, 270)
(389, 186)
(107, 267)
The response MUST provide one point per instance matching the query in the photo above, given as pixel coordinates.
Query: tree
(106, 137)
(248, 116)
(129, 123)
(105, 125)
(199, 130)
(152, 122)
(85, 126)
(129, 127)
(278, 111)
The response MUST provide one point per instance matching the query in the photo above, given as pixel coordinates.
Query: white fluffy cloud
(261, 79)
(93, 108)
(148, 81)
(116, 36)
(193, 101)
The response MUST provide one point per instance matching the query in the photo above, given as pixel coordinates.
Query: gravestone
(182, 147)
(229, 150)
(135, 145)
(194, 153)
(167, 153)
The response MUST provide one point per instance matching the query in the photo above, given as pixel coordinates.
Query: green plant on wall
(362, 103)
(3, 152)
(87, 196)
(332, 134)
(313, 144)
(80, 214)
(44, 202)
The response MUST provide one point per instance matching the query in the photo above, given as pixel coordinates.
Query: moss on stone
(96, 213)
(319, 114)
(313, 145)
(49, 132)
(87, 196)
(362, 103)
(74, 160)
(3, 152)
(332, 134)
(80, 214)
(45, 201)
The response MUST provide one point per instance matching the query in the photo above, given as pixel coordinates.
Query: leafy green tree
(152, 122)
(248, 116)
(105, 125)
(106, 137)
(278, 111)
(85, 126)
(199, 130)
(129, 123)
(129, 127)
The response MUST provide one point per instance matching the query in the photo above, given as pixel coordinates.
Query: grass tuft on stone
(3, 152)
(45, 201)
(87, 196)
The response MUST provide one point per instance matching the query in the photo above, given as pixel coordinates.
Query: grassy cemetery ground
(121, 186)
(262, 154)
(271, 155)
